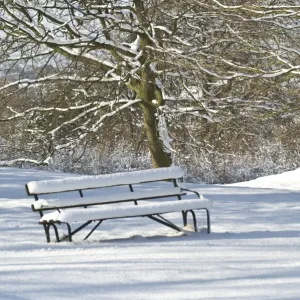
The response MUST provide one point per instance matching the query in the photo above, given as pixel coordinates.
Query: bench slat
(91, 182)
(116, 197)
(80, 215)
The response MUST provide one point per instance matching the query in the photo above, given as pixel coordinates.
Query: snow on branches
(78, 64)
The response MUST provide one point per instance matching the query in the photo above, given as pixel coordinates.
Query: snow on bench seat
(113, 197)
(82, 215)
(90, 182)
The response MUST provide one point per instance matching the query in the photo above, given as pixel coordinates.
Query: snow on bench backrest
(106, 198)
(90, 182)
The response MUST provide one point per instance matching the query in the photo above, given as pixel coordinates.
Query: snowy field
(253, 251)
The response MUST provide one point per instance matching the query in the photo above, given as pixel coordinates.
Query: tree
(168, 58)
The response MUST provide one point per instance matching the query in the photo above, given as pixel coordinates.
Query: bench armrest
(188, 190)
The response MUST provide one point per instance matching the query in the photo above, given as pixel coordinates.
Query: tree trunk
(159, 156)
(146, 90)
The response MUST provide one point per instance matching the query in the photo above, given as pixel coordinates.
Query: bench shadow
(191, 236)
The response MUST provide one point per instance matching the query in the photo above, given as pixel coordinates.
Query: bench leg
(185, 213)
(193, 216)
(184, 218)
(93, 230)
(69, 232)
(161, 220)
(56, 232)
(47, 231)
(208, 220)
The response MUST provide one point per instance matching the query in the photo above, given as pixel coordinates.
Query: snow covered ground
(253, 251)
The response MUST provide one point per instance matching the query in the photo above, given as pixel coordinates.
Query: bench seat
(80, 215)
(108, 198)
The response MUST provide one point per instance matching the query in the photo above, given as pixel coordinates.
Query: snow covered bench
(105, 206)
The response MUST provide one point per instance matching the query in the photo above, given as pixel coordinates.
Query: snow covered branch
(110, 57)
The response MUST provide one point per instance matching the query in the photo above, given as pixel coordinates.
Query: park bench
(86, 209)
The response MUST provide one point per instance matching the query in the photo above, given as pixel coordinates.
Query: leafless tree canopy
(72, 69)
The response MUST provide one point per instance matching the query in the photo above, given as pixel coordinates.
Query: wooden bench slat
(116, 197)
(99, 181)
(80, 215)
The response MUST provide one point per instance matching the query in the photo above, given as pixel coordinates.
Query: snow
(84, 182)
(75, 215)
(288, 180)
(252, 252)
(136, 44)
(163, 134)
(104, 198)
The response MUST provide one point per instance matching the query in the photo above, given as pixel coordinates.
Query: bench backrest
(99, 181)
(53, 203)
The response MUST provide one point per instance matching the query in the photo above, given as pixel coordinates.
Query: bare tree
(167, 58)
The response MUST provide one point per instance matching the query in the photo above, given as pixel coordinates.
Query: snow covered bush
(217, 167)
(104, 161)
